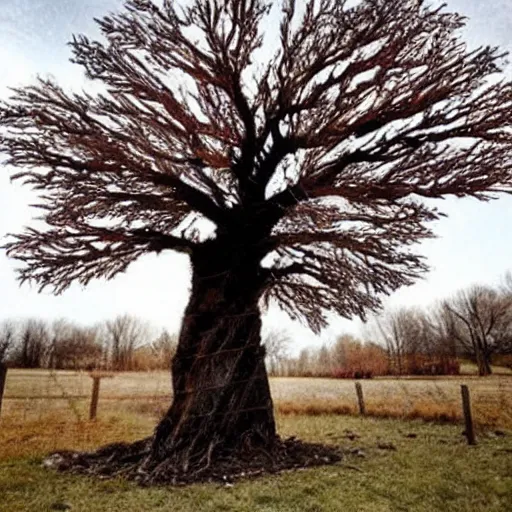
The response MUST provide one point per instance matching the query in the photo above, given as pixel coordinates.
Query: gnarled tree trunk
(222, 403)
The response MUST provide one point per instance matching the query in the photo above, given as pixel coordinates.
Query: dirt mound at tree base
(129, 461)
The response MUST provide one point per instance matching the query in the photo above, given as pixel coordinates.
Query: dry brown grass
(64, 428)
(425, 410)
(130, 404)
(101, 374)
(315, 408)
(35, 438)
(430, 399)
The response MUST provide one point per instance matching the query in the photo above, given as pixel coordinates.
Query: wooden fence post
(3, 377)
(360, 398)
(466, 407)
(94, 398)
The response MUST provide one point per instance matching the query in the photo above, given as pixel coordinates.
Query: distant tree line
(122, 344)
(475, 324)
(347, 357)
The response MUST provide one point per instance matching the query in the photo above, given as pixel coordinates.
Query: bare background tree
(480, 319)
(73, 347)
(408, 334)
(123, 335)
(7, 339)
(32, 347)
(164, 348)
(277, 343)
(394, 329)
(310, 168)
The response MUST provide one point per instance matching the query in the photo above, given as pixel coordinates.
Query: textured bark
(222, 403)
(483, 363)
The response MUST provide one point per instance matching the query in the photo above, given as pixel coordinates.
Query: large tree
(291, 168)
(479, 319)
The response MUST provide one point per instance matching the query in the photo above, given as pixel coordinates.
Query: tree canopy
(325, 151)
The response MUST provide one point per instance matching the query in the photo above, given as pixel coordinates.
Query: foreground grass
(391, 465)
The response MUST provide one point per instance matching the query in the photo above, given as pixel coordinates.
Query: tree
(73, 347)
(32, 348)
(311, 167)
(164, 347)
(124, 334)
(7, 339)
(324, 363)
(59, 330)
(339, 351)
(352, 358)
(398, 329)
(276, 343)
(304, 364)
(418, 341)
(481, 322)
(440, 325)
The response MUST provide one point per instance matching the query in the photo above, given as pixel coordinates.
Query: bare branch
(313, 166)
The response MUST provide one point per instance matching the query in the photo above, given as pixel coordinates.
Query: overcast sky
(474, 243)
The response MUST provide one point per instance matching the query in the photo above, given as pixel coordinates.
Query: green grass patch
(391, 465)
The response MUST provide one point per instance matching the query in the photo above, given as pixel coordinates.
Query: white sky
(474, 243)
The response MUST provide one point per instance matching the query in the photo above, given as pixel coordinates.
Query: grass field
(29, 394)
(390, 464)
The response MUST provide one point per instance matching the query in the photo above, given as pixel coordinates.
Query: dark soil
(129, 461)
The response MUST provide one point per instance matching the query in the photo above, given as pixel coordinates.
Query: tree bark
(482, 359)
(222, 404)
(484, 365)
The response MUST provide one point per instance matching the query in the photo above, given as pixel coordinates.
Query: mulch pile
(128, 461)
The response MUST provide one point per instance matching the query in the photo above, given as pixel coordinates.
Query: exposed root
(132, 461)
